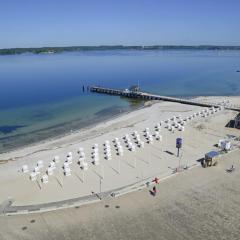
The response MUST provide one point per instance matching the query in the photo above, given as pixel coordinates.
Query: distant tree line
(42, 50)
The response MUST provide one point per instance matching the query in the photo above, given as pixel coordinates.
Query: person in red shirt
(155, 180)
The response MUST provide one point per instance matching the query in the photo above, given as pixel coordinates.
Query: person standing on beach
(155, 180)
(154, 190)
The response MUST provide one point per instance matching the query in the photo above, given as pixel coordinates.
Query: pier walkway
(149, 96)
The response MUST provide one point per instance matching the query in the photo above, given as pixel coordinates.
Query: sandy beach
(120, 120)
(156, 159)
(202, 203)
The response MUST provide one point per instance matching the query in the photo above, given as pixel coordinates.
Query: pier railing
(149, 96)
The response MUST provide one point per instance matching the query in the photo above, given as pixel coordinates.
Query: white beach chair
(33, 176)
(133, 148)
(56, 159)
(44, 179)
(95, 146)
(80, 150)
(84, 166)
(52, 165)
(40, 164)
(36, 170)
(69, 154)
(96, 161)
(66, 165)
(108, 157)
(67, 172)
(82, 155)
(25, 169)
(106, 147)
(80, 160)
(135, 133)
(49, 171)
(120, 149)
(69, 160)
(150, 140)
(95, 150)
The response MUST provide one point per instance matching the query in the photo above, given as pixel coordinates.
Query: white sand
(150, 161)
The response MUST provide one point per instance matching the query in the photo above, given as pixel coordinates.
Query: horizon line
(121, 45)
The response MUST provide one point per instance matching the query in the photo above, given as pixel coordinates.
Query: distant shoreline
(53, 50)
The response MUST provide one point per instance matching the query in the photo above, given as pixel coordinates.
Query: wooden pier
(148, 96)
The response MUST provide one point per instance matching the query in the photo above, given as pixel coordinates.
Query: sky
(37, 23)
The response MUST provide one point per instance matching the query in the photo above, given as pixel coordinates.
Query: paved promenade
(197, 204)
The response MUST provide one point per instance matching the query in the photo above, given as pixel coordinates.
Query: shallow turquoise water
(41, 95)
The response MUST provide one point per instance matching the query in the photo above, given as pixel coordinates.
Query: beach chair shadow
(168, 152)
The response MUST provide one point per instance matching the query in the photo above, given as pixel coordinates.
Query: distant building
(134, 88)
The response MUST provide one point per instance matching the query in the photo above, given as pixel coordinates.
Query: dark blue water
(40, 92)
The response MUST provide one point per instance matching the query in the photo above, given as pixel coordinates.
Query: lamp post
(178, 146)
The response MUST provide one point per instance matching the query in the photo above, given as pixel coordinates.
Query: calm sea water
(41, 95)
